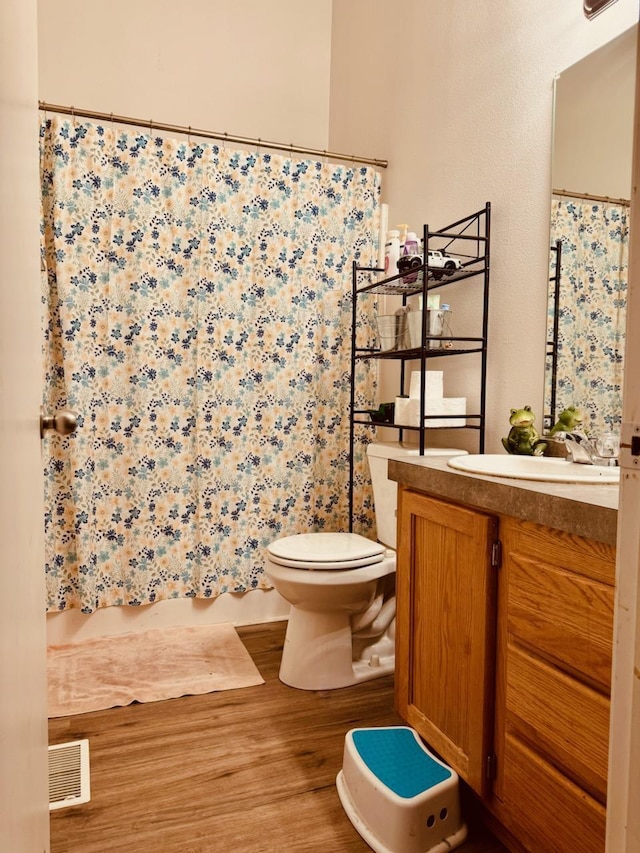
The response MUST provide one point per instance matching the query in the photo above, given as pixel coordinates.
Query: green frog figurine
(523, 438)
(568, 420)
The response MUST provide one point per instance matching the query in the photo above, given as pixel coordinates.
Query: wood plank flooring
(242, 771)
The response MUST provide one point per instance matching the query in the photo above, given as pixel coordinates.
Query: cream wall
(245, 67)
(458, 97)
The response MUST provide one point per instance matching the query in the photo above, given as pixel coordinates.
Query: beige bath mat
(146, 667)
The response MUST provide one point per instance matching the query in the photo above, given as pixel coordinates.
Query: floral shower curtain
(592, 309)
(197, 318)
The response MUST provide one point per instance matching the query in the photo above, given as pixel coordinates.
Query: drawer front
(585, 557)
(564, 617)
(565, 721)
(552, 813)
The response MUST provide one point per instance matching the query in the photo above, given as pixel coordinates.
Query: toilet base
(318, 653)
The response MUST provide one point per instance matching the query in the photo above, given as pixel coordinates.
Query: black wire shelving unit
(468, 239)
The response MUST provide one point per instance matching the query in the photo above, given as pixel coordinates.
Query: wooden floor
(242, 771)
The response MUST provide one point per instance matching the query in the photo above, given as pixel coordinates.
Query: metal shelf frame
(470, 234)
(552, 345)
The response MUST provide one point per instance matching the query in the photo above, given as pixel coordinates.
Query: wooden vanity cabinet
(537, 699)
(555, 632)
(445, 630)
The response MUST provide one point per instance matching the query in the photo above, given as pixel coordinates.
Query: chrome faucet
(580, 448)
(603, 451)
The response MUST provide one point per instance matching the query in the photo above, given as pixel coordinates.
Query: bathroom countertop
(584, 510)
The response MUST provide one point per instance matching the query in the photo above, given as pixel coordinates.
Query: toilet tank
(385, 491)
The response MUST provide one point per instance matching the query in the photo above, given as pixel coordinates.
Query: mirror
(591, 174)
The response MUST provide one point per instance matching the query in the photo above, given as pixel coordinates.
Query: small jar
(608, 446)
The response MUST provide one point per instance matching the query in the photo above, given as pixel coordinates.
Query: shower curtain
(592, 309)
(197, 313)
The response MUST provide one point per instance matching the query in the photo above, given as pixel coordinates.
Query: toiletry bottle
(411, 246)
(409, 258)
(391, 253)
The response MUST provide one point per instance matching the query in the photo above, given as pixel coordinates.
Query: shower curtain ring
(189, 135)
(73, 115)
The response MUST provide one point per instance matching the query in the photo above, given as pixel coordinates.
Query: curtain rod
(625, 202)
(207, 134)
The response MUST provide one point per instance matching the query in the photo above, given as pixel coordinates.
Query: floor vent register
(69, 774)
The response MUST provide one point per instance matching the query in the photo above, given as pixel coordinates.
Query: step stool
(399, 797)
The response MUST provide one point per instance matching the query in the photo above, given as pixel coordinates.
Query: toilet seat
(325, 551)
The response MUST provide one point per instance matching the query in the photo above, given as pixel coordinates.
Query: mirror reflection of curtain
(592, 309)
(198, 318)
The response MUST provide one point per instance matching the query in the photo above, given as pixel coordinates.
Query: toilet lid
(326, 551)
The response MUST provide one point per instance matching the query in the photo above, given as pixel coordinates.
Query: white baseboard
(247, 608)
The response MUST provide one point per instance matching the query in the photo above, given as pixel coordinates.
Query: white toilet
(341, 589)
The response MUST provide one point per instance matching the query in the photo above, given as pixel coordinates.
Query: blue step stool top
(398, 760)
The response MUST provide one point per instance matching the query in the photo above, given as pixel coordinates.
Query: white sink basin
(545, 469)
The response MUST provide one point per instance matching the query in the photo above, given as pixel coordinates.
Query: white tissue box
(433, 384)
(407, 411)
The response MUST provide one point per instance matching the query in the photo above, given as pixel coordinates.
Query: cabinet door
(445, 643)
